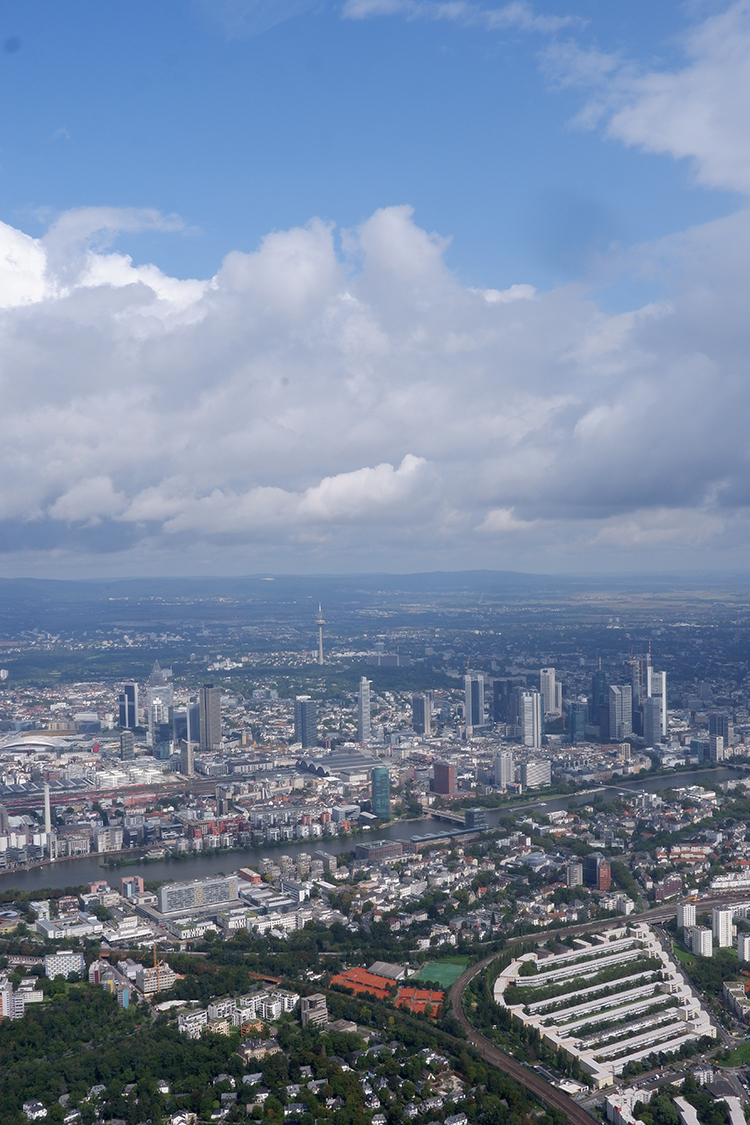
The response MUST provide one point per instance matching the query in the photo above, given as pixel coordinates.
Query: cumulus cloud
(699, 110)
(357, 407)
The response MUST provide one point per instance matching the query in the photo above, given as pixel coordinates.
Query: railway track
(547, 1095)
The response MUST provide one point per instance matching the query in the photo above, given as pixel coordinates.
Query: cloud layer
(359, 408)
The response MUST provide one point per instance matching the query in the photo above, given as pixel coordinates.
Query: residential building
(64, 963)
(743, 947)
(108, 839)
(721, 927)
(574, 875)
(314, 1010)
(701, 941)
(686, 915)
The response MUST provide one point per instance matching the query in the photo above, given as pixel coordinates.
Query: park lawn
(683, 956)
(740, 1056)
(444, 972)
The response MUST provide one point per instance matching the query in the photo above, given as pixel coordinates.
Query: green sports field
(445, 972)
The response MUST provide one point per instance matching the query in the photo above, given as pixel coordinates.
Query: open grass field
(444, 972)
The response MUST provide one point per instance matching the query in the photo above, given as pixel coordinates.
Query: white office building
(656, 687)
(363, 711)
(529, 718)
(64, 963)
(504, 769)
(535, 775)
(550, 692)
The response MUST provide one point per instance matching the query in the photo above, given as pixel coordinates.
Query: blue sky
(373, 284)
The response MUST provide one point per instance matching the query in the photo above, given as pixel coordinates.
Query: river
(76, 872)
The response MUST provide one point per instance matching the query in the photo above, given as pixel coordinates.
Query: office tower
(620, 712)
(721, 926)
(697, 748)
(535, 775)
(320, 623)
(127, 746)
(380, 793)
(599, 696)
(652, 720)
(716, 748)
(596, 871)
(305, 721)
(180, 719)
(574, 875)
(4, 824)
(636, 680)
(529, 717)
(209, 701)
(127, 702)
(577, 716)
(656, 686)
(159, 700)
(475, 820)
(363, 711)
(702, 941)
(421, 714)
(686, 915)
(504, 769)
(548, 688)
(474, 699)
(187, 760)
(719, 723)
(47, 811)
(444, 778)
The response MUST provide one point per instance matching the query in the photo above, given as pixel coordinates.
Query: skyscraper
(187, 761)
(127, 702)
(363, 711)
(577, 715)
(209, 701)
(652, 720)
(502, 695)
(721, 926)
(444, 778)
(620, 711)
(474, 699)
(320, 623)
(656, 686)
(720, 724)
(504, 769)
(127, 746)
(549, 691)
(529, 717)
(305, 721)
(421, 714)
(380, 792)
(599, 699)
(159, 695)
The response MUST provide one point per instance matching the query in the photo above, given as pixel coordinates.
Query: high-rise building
(698, 748)
(596, 871)
(743, 947)
(305, 721)
(652, 720)
(702, 941)
(474, 699)
(159, 695)
(716, 748)
(127, 702)
(686, 915)
(548, 690)
(721, 926)
(127, 745)
(504, 769)
(719, 723)
(187, 760)
(620, 712)
(502, 695)
(636, 680)
(314, 1010)
(656, 686)
(380, 790)
(536, 775)
(529, 717)
(421, 714)
(363, 711)
(320, 622)
(577, 716)
(209, 702)
(475, 820)
(574, 875)
(213, 891)
(444, 778)
(599, 698)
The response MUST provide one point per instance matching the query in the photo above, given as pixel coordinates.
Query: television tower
(320, 623)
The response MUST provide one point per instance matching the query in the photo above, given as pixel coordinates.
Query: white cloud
(302, 408)
(518, 15)
(699, 110)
